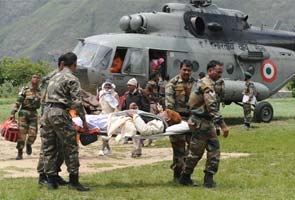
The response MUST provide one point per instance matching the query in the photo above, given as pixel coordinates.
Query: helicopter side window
(134, 61)
(118, 60)
(158, 62)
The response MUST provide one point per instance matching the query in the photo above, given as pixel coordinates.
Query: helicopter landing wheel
(263, 112)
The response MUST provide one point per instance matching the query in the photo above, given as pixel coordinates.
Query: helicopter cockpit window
(86, 53)
(103, 57)
(134, 61)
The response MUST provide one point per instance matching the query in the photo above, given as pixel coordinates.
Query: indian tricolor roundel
(268, 71)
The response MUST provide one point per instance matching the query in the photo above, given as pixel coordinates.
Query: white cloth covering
(93, 121)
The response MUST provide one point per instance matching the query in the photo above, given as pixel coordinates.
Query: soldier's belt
(57, 105)
(29, 109)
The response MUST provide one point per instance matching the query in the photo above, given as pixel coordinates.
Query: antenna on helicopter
(201, 3)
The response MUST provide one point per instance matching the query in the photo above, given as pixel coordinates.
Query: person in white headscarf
(108, 98)
(109, 101)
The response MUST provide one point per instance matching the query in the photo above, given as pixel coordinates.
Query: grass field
(268, 173)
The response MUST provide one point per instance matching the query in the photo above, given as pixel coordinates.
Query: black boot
(61, 181)
(52, 183)
(208, 180)
(75, 184)
(19, 155)
(28, 149)
(176, 175)
(185, 179)
(43, 179)
(247, 126)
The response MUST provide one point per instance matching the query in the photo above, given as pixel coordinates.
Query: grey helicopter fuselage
(174, 36)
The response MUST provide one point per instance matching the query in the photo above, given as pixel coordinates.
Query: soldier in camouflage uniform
(27, 103)
(250, 92)
(63, 93)
(152, 91)
(205, 115)
(60, 153)
(219, 90)
(177, 92)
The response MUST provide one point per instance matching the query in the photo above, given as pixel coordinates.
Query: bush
(291, 86)
(19, 72)
(7, 89)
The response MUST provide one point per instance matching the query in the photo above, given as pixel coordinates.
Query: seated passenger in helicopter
(117, 64)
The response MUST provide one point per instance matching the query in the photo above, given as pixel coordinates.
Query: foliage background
(16, 73)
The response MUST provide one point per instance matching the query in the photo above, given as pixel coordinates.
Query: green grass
(5, 108)
(268, 173)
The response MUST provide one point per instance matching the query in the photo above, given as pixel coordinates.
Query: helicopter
(200, 32)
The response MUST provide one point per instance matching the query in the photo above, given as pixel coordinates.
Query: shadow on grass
(234, 120)
(139, 184)
(283, 118)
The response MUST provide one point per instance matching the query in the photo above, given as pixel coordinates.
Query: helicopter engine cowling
(234, 91)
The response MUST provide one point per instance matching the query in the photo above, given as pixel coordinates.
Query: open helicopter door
(134, 64)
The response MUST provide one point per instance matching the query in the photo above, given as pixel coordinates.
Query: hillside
(43, 29)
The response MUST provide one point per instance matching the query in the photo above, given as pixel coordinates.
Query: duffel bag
(9, 130)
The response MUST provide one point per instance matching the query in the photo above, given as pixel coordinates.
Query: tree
(20, 71)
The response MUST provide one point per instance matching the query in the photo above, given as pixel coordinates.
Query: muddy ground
(90, 161)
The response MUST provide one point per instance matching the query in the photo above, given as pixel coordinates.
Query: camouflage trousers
(27, 121)
(60, 155)
(199, 142)
(247, 113)
(57, 124)
(180, 145)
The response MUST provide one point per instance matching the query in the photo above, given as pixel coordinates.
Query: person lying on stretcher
(132, 123)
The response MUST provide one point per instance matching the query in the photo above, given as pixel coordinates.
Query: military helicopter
(199, 31)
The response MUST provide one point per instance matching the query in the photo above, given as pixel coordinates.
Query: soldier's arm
(212, 108)
(251, 91)
(212, 105)
(20, 99)
(170, 96)
(195, 98)
(75, 95)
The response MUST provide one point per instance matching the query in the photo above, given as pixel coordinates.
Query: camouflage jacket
(64, 88)
(45, 81)
(219, 89)
(28, 99)
(152, 91)
(203, 102)
(177, 94)
(249, 90)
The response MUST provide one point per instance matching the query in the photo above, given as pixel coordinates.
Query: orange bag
(9, 130)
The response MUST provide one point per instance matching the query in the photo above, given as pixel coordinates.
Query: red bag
(9, 130)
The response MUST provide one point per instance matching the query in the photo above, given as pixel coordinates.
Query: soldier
(60, 155)
(27, 103)
(248, 99)
(177, 92)
(152, 91)
(63, 93)
(203, 105)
